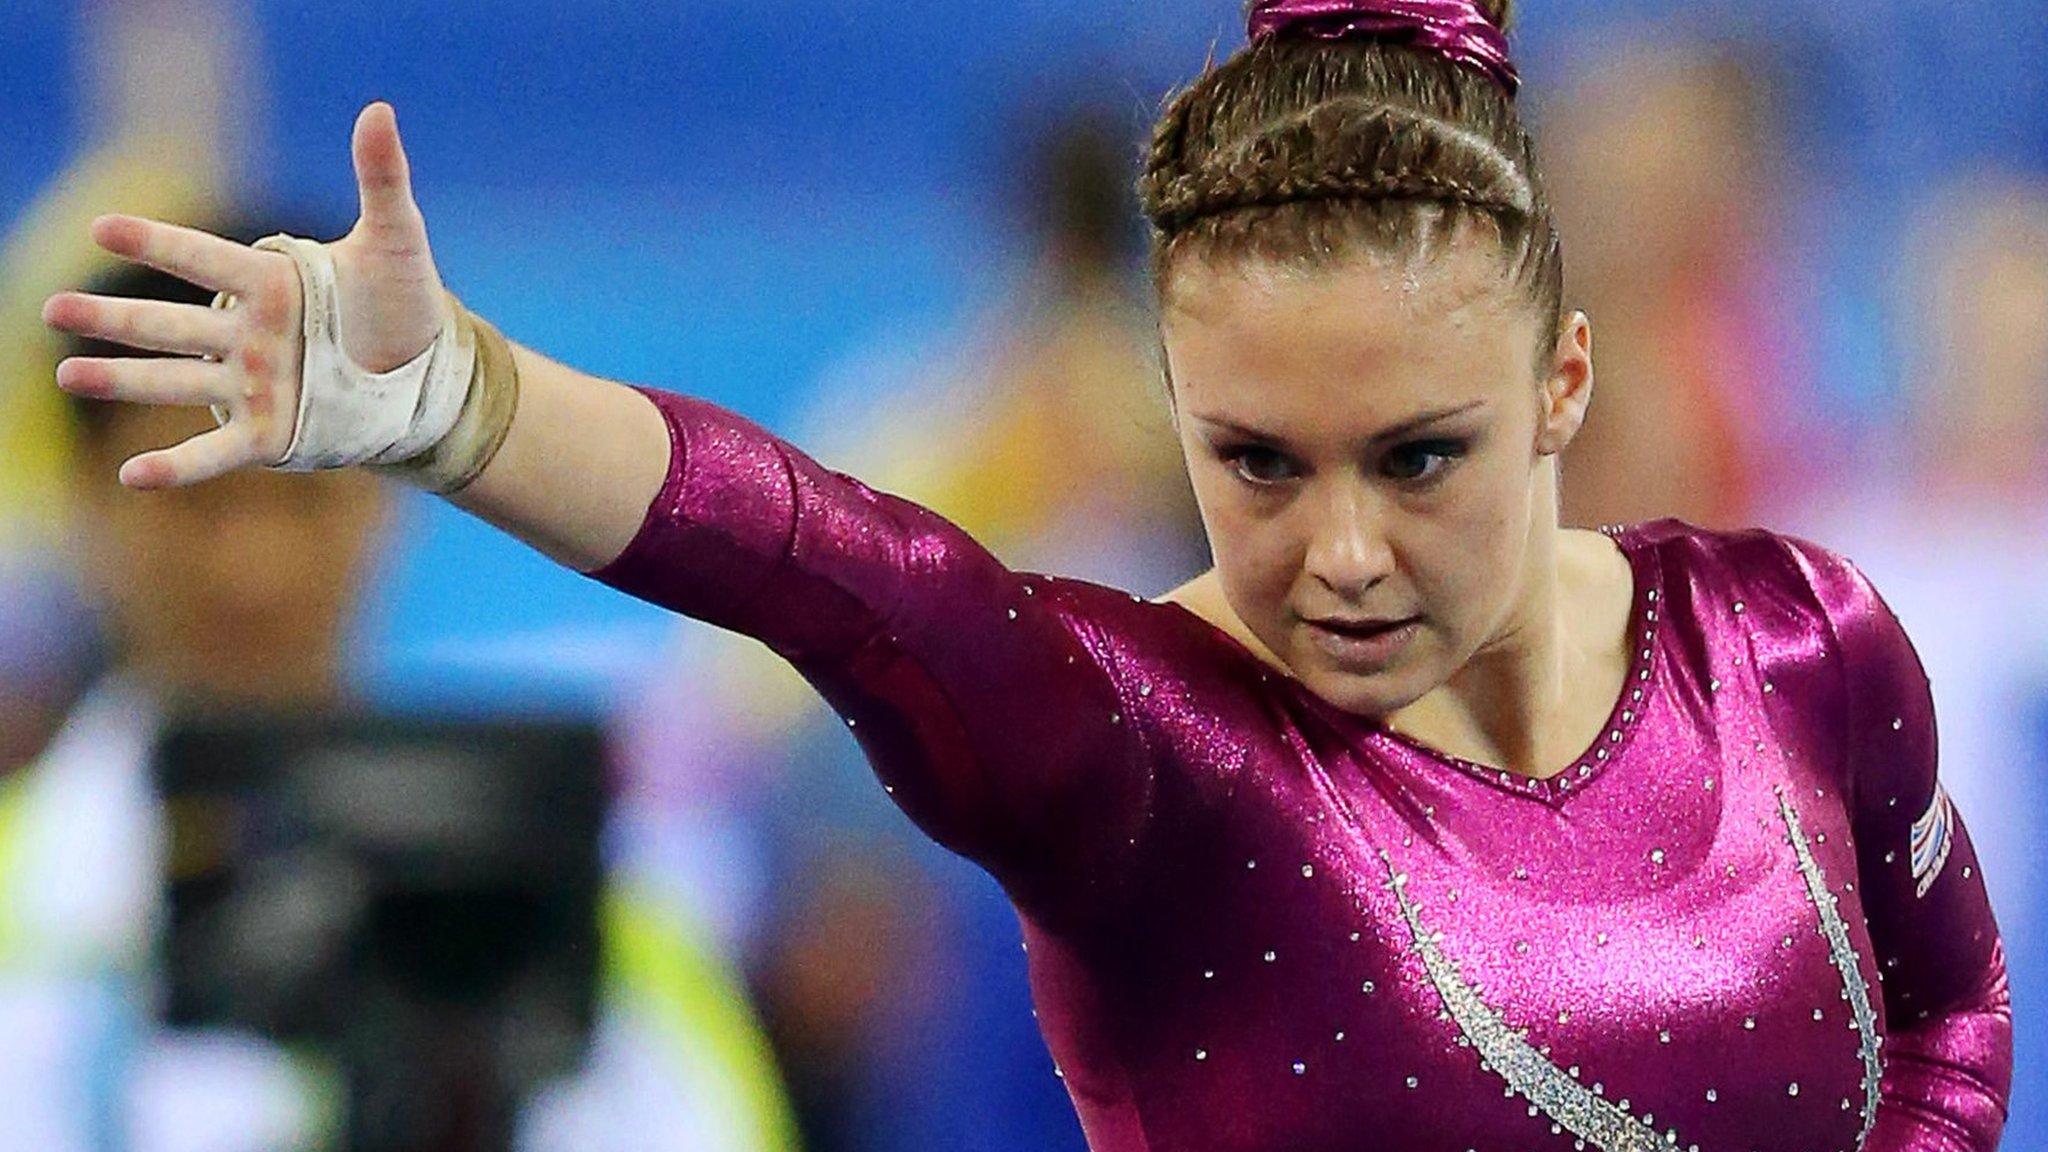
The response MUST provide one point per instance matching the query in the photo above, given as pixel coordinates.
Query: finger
(195, 461)
(152, 324)
(169, 381)
(384, 180)
(186, 253)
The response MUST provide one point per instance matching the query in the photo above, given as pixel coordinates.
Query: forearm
(583, 460)
(1947, 1078)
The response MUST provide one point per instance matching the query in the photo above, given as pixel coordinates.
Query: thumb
(384, 180)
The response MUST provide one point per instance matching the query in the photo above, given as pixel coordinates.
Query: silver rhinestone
(1627, 716)
(1710, 783)
(1308, 870)
(1201, 1053)
(1713, 685)
(1272, 956)
(1251, 864)
(889, 788)
(1565, 1016)
(1740, 607)
(1367, 988)
(1585, 770)
(1819, 1015)
(1116, 717)
(1657, 856)
(1340, 1037)
(1749, 1023)
(1653, 594)
(1299, 1068)
(1145, 690)
(1769, 687)
(1636, 695)
(1521, 947)
(1412, 1082)
(1029, 590)
(1897, 724)
(1712, 1095)
(1793, 1089)
(1013, 613)
(1600, 939)
(1968, 872)
(1354, 937)
(1664, 1037)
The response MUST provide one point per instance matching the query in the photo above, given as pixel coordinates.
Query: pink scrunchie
(1456, 29)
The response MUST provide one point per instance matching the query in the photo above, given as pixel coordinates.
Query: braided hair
(1303, 151)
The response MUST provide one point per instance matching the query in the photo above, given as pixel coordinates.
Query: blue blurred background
(1788, 214)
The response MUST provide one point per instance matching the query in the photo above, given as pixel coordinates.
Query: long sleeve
(975, 691)
(1949, 1050)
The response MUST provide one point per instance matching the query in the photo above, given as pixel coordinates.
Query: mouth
(1361, 627)
(1362, 643)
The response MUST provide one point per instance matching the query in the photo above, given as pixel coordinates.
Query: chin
(1373, 694)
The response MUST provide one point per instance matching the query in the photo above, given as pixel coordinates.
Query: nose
(1348, 551)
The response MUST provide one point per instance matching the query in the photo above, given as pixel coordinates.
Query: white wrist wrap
(349, 416)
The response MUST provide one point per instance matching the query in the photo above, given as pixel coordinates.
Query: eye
(1261, 467)
(1423, 460)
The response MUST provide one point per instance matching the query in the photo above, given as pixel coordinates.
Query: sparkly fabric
(1255, 921)
(1456, 29)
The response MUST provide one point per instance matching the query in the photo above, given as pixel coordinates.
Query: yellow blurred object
(49, 250)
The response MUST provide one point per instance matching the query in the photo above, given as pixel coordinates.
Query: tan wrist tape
(457, 459)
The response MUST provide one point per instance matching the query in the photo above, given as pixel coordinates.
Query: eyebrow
(1412, 424)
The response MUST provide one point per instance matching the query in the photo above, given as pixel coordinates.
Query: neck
(1525, 701)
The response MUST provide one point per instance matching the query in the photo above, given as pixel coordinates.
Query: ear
(1568, 389)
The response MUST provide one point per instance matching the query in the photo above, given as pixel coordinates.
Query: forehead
(1349, 347)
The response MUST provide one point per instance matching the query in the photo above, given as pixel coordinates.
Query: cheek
(1478, 547)
(1256, 558)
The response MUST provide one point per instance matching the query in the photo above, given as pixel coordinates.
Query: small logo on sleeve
(1933, 836)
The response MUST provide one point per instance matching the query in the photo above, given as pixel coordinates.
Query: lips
(1363, 645)
(1361, 627)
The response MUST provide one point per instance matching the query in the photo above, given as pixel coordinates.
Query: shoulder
(1778, 579)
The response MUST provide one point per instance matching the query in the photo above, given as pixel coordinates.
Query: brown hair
(1301, 151)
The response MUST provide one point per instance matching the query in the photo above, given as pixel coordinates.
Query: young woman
(1420, 822)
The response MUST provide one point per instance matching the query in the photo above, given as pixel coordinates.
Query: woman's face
(1367, 443)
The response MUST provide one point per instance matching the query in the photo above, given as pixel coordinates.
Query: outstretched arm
(392, 307)
(1948, 1053)
(986, 698)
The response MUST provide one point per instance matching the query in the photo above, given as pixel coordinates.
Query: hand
(247, 360)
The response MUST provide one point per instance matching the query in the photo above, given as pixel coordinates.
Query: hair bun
(1468, 32)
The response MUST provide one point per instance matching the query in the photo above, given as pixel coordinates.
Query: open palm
(246, 360)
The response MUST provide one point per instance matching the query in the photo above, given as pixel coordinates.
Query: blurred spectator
(243, 596)
(1948, 514)
(1042, 429)
(149, 78)
(1667, 170)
